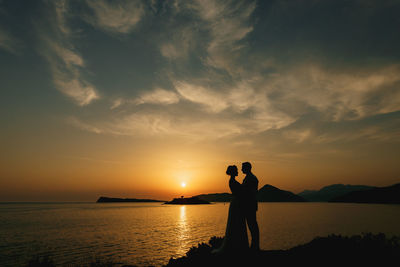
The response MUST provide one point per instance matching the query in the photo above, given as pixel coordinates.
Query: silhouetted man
(250, 205)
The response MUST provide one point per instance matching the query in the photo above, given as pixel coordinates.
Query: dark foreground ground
(334, 250)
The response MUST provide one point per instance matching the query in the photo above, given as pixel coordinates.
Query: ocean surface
(146, 234)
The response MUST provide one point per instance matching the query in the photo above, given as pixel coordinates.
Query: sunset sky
(134, 98)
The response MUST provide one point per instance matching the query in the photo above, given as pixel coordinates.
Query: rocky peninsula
(187, 201)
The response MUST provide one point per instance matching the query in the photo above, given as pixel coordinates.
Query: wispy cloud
(224, 92)
(160, 124)
(299, 135)
(339, 95)
(236, 112)
(216, 27)
(180, 42)
(211, 100)
(158, 96)
(115, 103)
(366, 133)
(8, 42)
(228, 23)
(66, 65)
(82, 92)
(84, 126)
(117, 16)
(369, 133)
(238, 100)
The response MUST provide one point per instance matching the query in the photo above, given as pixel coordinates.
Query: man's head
(246, 167)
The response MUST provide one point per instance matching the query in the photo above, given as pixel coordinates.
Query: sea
(149, 234)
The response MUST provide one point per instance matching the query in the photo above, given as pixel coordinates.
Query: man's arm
(254, 185)
(250, 185)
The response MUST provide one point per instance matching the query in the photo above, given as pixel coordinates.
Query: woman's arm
(235, 186)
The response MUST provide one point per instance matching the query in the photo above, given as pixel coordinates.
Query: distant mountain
(332, 191)
(112, 199)
(218, 197)
(269, 193)
(381, 195)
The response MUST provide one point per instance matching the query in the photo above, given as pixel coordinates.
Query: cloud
(179, 44)
(116, 103)
(66, 65)
(343, 132)
(8, 42)
(169, 50)
(215, 30)
(215, 100)
(117, 16)
(160, 124)
(227, 79)
(299, 135)
(212, 101)
(264, 103)
(188, 125)
(237, 112)
(158, 96)
(369, 133)
(239, 99)
(338, 94)
(84, 126)
(228, 23)
(68, 56)
(83, 93)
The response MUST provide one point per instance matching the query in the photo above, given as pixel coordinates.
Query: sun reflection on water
(183, 231)
(183, 213)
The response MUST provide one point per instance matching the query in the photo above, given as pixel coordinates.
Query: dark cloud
(253, 66)
(343, 30)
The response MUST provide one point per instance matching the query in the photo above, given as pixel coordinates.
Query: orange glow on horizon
(158, 171)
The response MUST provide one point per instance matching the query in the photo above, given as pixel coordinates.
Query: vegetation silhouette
(216, 197)
(187, 201)
(334, 250)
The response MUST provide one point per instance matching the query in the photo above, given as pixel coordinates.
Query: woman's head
(232, 170)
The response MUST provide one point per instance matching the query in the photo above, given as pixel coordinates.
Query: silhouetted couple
(242, 209)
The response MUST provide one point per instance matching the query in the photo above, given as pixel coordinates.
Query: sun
(183, 184)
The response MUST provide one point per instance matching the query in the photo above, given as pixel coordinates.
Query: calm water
(151, 233)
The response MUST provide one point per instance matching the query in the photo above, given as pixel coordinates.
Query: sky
(133, 98)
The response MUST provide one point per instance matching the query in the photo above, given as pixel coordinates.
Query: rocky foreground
(334, 250)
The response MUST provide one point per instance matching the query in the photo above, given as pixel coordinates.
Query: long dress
(236, 232)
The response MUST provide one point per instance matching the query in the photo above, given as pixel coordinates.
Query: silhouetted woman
(236, 232)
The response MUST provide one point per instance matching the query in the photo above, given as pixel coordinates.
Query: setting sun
(183, 184)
